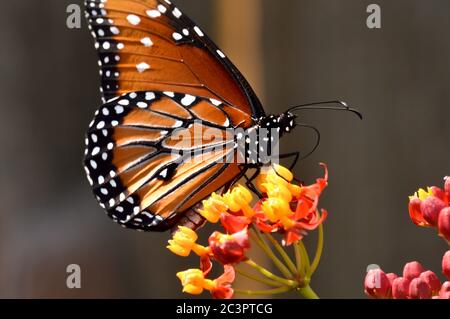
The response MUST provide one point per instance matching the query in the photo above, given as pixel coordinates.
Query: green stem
(268, 274)
(263, 292)
(319, 251)
(298, 260)
(263, 245)
(258, 279)
(307, 293)
(283, 254)
(306, 262)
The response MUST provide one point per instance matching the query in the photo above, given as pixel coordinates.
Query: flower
(194, 283)
(238, 201)
(444, 223)
(412, 270)
(289, 208)
(446, 265)
(229, 249)
(184, 242)
(444, 293)
(400, 288)
(431, 280)
(213, 207)
(447, 187)
(419, 289)
(425, 206)
(377, 284)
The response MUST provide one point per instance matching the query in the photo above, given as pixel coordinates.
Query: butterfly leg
(252, 186)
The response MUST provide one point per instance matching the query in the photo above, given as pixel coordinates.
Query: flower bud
(444, 223)
(447, 187)
(446, 265)
(444, 293)
(432, 281)
(391, 276)
(377, 285)
(419, 289)
(412, 270)
(229, 249)
(400, 288)
(431, 207)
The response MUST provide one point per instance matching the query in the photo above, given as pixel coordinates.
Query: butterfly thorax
(259, 143)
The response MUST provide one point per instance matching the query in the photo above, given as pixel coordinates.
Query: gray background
(312, 50)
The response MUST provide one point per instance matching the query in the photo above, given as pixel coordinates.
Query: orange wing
(150, 45)
(151, 156)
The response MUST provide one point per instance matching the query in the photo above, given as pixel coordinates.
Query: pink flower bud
(377, 285)
(412, 270)
(400, 288)
(444, 293)
(391, 276)
(431, 207)
(444, 223)
(446, 265)
(432, 280)
(447, 187)
(419, 289)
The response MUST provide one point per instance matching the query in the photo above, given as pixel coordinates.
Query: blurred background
(293, 52)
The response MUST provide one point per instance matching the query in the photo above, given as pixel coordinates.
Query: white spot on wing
(142, 67)
(133, 19)
(147, 42)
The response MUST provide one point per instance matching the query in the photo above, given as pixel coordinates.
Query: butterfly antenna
(317, 140)
(328, 105)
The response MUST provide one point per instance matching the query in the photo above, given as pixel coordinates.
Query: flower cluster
(416, 283)
(286, 208)
(427, 208)
(431, 208)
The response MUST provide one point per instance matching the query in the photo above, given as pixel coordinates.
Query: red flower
(229, 249)
(233, 223)
(444, 223)
(377, 284)
(400, 288)
(444, 293)
(222, 289)
(425, 206)
(419, 289)
(446, 265)
(447, 188)
(412, 270)
(431, 280)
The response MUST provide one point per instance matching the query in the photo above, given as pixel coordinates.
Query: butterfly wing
(148, 45)
(150, 156)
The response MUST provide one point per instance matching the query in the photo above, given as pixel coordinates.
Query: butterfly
(163, 80)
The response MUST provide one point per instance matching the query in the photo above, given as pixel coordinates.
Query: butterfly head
(283, 123)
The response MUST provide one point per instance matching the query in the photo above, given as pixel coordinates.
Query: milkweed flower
(377, 284)
(194, 283)
(285, 208)
(444, 224)
(446, 265)
(229, 249)
(213, 207)
(184, 242)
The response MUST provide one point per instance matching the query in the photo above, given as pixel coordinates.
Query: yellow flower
(278, 191)
(239, 199)
(278, 176)
(422, 194)
(194, 281)
(278, 210)
(184, 242)
(213, 207)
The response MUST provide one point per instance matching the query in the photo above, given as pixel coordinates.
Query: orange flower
(194, 283)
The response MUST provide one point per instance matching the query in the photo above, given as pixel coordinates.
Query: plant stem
(307, 293)
(263, 245)
(260, 280)
(306, 263)
(268, 274)
(263, 292)
(283, 254)
(319, 251)
(298, 260)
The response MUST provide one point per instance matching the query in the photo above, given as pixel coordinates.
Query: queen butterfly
(162, 76)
